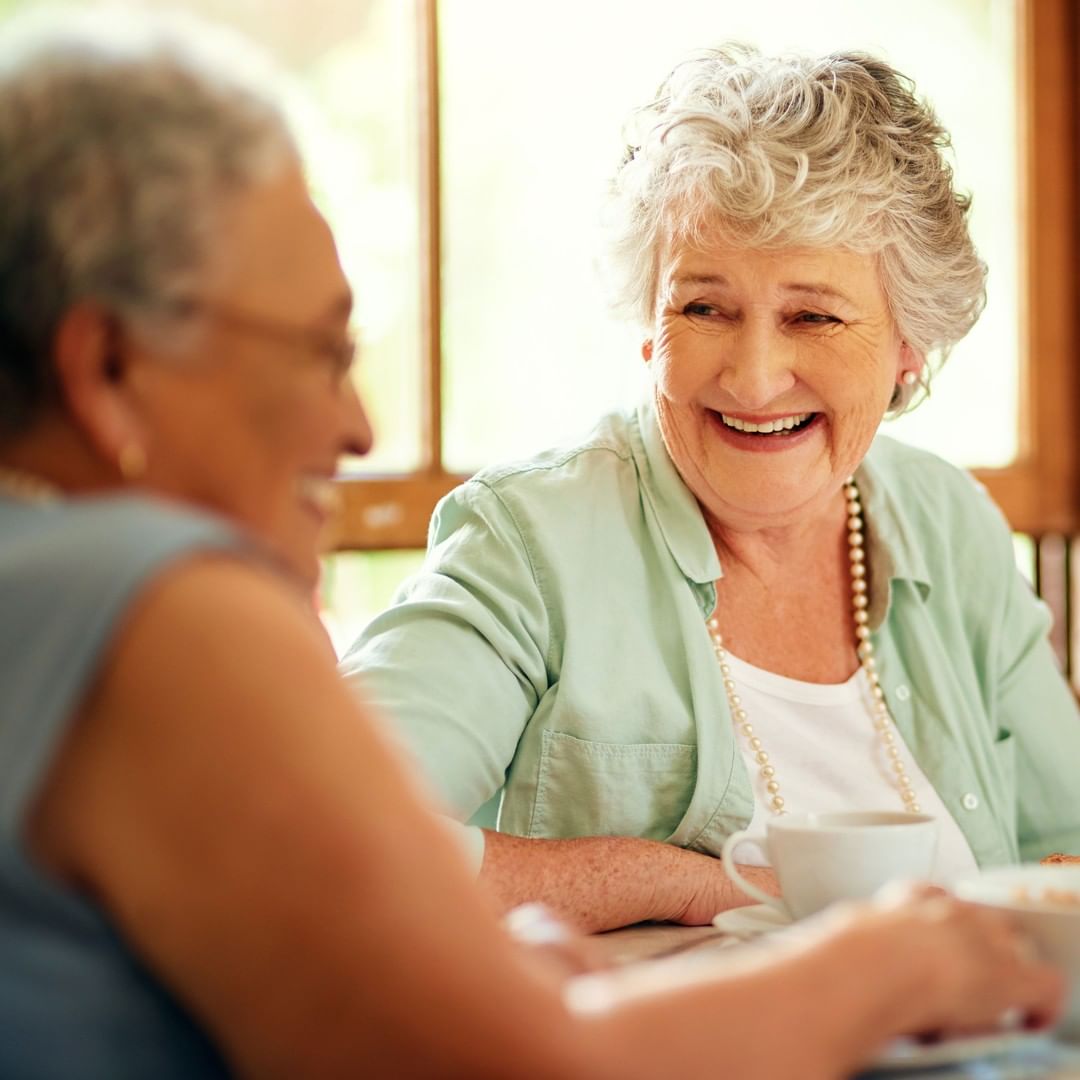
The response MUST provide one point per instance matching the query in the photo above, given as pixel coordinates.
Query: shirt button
(902, 693)
(970, 801)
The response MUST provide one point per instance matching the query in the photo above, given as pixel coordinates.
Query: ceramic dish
(908, 1054)
(748, 922)
(1044, 901)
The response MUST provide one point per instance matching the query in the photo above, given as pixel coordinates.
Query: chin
(775, 502)
(307, 570)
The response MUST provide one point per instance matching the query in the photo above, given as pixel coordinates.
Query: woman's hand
(970, 967)
(845, 983)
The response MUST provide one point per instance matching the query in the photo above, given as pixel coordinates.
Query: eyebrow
(816, 289)
(802, 288)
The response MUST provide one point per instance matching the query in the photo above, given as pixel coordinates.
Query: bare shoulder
(230, 803)
(211, 601)
(214, 662)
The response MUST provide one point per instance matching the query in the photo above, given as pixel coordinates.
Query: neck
(765, 552)
(58, 455)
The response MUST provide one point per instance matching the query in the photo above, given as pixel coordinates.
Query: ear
(909, 359)
(646, 350)
(93, 372)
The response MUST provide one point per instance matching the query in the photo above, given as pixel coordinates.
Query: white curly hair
(796, 151)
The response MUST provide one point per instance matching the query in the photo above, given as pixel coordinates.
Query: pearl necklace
(26, 486)
(883, 723)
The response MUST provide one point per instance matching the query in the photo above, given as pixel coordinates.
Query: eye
(700, 309)
(816, 318)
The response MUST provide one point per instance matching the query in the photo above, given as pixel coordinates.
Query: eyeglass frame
(341, 355)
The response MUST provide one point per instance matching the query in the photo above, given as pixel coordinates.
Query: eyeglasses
(338, 353)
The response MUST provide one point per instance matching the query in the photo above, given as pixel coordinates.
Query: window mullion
(430, 212)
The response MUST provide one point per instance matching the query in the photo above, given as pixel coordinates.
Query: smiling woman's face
(252, 422)
(772, 370)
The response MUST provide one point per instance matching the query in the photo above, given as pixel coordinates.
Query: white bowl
(1053, 927)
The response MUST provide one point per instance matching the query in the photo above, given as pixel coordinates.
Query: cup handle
(727, 856)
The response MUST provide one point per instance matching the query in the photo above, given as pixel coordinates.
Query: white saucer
(904, 1054)
(749, 922)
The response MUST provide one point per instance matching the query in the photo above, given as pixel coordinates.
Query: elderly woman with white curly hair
(734, 601)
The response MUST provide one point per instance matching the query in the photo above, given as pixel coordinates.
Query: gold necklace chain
(879, 709)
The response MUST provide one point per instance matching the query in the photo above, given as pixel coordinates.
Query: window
(460, 149)
(521, 125)
(522, 108)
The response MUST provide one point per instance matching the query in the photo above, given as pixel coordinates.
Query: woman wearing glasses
(210, 861)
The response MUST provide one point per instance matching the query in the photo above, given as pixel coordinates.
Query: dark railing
(1054, 556)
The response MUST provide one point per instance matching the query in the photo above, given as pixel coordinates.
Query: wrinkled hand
(716, 892)
(971, 965)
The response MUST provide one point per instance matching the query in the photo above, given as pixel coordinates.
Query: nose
(356, 428)
(757, 365)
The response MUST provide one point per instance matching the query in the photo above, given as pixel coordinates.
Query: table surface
(1043, 1059)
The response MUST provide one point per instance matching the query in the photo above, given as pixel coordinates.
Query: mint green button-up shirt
(554, 650)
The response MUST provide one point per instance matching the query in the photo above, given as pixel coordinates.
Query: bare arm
(232, 807)
(460, 667)
(822, 1002)
(602, 882)
(260, 847)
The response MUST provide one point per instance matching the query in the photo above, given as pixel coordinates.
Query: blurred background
(460, 150)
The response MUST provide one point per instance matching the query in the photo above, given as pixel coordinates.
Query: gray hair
(797, 151)
(121, 137)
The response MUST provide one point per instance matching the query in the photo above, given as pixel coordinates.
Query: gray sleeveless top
(75, 1003)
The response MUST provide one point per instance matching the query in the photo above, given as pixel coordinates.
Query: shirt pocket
(587, 788)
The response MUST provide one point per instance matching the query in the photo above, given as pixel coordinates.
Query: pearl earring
(909, 378)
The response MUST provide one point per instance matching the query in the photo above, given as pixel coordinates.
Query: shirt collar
(677, 512)
(893, 547)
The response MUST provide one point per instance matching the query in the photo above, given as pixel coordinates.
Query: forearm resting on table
(602, 882)
(744, 1004)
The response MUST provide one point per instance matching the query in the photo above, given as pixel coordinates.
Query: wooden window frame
(385, 512)
(1038, 492)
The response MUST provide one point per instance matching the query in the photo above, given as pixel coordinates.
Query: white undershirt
(828, 757)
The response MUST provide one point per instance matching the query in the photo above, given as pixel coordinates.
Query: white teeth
(321, 492)
(769, 426)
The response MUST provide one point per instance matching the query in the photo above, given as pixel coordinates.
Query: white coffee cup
(820, 858)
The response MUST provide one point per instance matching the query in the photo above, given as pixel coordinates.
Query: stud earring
(131, 461)
(909, 378)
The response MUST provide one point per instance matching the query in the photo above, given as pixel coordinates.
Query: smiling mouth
(778, 428)
(321, 494)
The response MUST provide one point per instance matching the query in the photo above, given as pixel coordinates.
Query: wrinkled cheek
(856, 431)
(664, 381)
(680, 427)
(674, 372)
